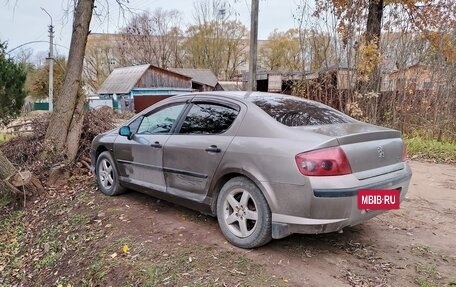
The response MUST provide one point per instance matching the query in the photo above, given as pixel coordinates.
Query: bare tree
(99, 61)
(65, 125)
(64, 131)
(281, 51)
(37, 83)
(216, 41)
(404, 78)
(159, 36)
(426, 16)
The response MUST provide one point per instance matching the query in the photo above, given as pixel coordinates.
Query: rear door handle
(156, 145)
(213, 148)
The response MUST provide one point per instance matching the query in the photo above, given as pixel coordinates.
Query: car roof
(239, 95)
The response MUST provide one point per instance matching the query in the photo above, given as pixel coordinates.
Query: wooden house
(413, 78)
(137, 87)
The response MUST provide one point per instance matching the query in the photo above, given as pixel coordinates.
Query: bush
(24, 150)
(419, 148)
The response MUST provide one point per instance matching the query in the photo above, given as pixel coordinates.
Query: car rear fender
(228, 173)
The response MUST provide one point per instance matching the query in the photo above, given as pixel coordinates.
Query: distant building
(334, 77)
(340, 78)
(274, 81)
(231, 85)
(137, 87)
(104, 53)
(413, 78)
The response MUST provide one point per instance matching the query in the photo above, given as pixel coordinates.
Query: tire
(243, 214)
(107, 176)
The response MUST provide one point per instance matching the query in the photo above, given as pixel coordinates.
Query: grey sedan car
(267, 165)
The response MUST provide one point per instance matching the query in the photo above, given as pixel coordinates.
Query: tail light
(323, 162)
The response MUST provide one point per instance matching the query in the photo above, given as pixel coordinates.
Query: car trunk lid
(367, 147)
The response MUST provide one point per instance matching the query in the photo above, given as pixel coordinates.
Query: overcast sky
(23, 21)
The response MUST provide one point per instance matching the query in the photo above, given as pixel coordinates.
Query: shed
(416, 77)
(275, 81)
(137, 87)
(202, 79)
(231, 85)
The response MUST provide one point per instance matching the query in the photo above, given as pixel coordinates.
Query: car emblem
(381, 153)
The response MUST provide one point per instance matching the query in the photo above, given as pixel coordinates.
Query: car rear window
(294, 111)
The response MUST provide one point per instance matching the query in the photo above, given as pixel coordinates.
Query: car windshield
(294, 111)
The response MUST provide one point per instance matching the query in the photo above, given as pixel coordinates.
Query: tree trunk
(373, 33)
(7, 169)
(371, 58)
(74, 134)
(66, 116)
(374, 21)
(17, 183)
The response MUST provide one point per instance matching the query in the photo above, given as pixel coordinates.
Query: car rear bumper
(284, 225)
(334, 209)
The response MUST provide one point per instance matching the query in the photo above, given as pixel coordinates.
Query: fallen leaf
(125, 248)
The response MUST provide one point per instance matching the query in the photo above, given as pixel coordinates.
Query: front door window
(160, 122)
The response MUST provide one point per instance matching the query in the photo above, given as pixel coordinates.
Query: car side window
(161, 121)
(205, 118)
(134, 125)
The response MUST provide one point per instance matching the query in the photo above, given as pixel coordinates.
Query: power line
(33, 42)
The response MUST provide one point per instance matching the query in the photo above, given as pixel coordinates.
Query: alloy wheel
(240, 213)
(106, 174)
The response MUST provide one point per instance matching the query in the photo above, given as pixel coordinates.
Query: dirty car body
(267, 165)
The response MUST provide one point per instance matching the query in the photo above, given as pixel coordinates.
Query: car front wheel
(107, 177)
(243, 214)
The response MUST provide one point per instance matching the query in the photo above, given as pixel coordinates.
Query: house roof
(336, 67)
(414, 66)
(231, 86)
(122, 80)
(200, 76)
(263, 75)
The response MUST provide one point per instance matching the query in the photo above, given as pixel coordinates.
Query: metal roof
(122, 80)
(231, 86)
(263, 75)
(200, 76)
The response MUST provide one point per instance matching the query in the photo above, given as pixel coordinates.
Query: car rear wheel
(243, 214)
(107, 177)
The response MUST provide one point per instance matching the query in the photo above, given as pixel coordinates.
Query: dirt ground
(136, 240)
(415, 245)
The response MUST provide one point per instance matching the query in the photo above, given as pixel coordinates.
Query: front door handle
(213, 148)
(156, 145)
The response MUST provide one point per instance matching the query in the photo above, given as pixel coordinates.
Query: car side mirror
(125, 131)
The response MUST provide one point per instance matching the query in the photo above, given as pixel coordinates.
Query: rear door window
(208, 118)
(293, 111)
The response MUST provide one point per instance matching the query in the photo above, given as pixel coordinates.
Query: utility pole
(220, 17)
(253, 46)
(50, 59)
